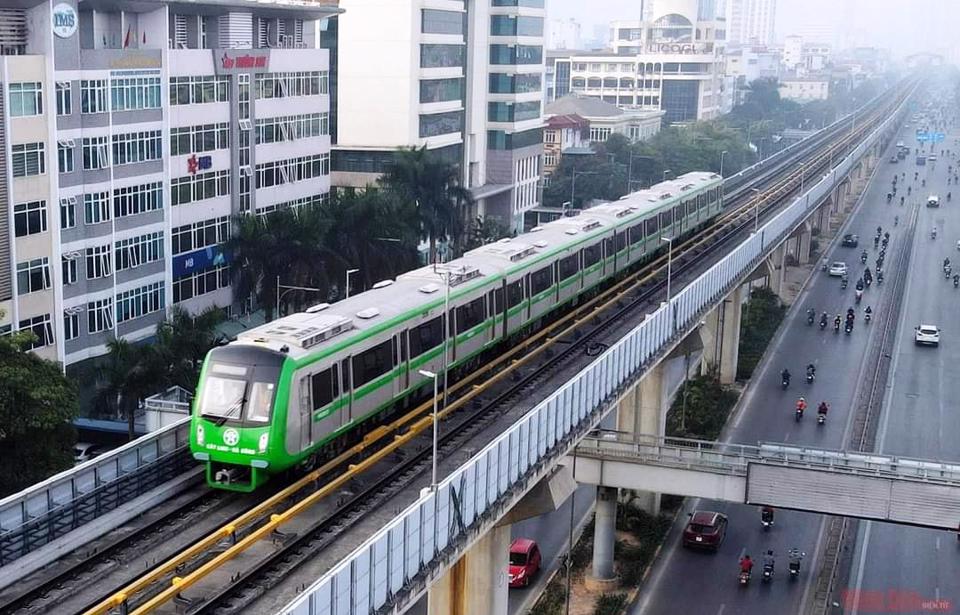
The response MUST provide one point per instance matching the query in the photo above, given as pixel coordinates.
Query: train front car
(240, 401)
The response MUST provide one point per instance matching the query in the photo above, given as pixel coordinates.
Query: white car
(927, 334)
(838, 268)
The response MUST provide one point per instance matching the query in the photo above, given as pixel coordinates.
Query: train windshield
(235, 393)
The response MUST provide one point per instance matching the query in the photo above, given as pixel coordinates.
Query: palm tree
(130, 373)
(183, 341)
(283, 245)
(369, 230)
(433, 186)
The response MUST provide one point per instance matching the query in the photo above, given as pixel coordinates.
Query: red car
(705, 529)
(524, 561)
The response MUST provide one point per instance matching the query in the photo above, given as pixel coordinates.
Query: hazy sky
(901, 25)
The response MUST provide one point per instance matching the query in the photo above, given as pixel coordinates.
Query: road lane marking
(722, 608)
(811, 578)
(938, 543)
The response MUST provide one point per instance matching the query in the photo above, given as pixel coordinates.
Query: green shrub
(761, 318)
(553, 599)
(708, 403)
(610, 604)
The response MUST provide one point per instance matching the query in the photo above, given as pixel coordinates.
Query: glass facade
(501, 83)
(440, 90)
(500, 140)
(680, 100)
(534, 4)
(516, 54)
(516, 112)
(562, 79)
(436, 56)
(509, 25)
(441, 124)
(443, 22)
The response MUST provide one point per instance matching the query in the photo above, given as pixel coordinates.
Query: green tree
(369, 230)
(183, 341)
(482, 231)
(285, 245)
(433, 186)
(129, 373)
(37, 404)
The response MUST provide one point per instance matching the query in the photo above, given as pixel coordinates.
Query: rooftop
(589, 107)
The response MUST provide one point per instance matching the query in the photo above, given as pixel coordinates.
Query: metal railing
(51, 509)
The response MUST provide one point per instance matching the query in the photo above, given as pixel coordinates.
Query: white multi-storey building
(673, 63)
(751, 22)
(464, 79)
(131, 133)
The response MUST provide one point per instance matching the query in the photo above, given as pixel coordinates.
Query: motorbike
(811, 316)
(868, 281)
(767, 573)
(879, 277)
(784, 382)
(933, 234)
(843, 284)
(863, 257)
(766, 520)
(848, 327)
(744, 577)
(811, 377)
(823, 324)
(876, 242)
(821, 419)
(859, 296)
(947, 271)
(867, 316)
(836, 326)
(956, 281)
(794, 565)
(798, 414)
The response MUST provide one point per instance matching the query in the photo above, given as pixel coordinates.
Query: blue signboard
(199, 260)
(938, 137)
(923, 137)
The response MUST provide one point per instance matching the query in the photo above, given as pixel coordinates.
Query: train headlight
(264, 438)
(200, 436)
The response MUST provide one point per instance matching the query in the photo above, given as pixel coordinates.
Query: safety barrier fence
(442, 522)
(62, 503)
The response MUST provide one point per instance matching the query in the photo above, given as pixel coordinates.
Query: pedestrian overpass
(863, 485)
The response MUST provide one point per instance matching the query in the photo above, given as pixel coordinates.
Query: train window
(260, 402)
(403, 347)
(608, 247)
(591, 255)
(470, 315)
(541, 280)
(345, 376)
(372, 363)
(678, 213)
(569, 266)
(653, 225)
(326, 387)
(665, 220)
(514, 293)
(426, 336)
(636, 233)
(621, 241)
(498, 300)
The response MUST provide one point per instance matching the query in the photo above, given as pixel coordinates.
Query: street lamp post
(573, 184)
(756, 209)
(287, 288)
(669, 241)
(722, 154)
(346, 288)
(433, 474)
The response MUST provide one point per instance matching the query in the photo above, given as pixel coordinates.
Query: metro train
(294, 389)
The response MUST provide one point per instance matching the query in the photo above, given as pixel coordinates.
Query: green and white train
(307, 383)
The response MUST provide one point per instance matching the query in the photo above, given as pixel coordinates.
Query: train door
(346, 382)
(403, 367)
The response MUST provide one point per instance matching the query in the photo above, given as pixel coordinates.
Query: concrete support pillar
(776, 268)
(605, 535)
(732, 315)
(642, 411)
(710, 337)
(803, 243)
(477, 583)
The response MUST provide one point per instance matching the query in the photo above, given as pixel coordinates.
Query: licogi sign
(673, 48)
(235, 61)
(64, 20)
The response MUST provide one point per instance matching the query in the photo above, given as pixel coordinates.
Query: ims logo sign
(64, 20)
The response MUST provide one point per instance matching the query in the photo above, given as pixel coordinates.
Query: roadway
(693, 582)
(920, 420)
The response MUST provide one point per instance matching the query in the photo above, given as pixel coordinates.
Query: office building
(605, 119)
(672, 63)
(751, 22)
(464, 79)
(131, 133)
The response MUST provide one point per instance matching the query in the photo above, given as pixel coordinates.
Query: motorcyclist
(766, 514)
(811, 314)
(823, 408)
(795, 556)
(801, 405)
(909, 189)
(860, 284)
(868, 311)
(746, 564)
(901, 199)
(863, 256)
(768, 561)
(896, 220)
(823, 319)
(837, 321)
(811, 369)
(889, 197)
(851, 313)
(933, 233)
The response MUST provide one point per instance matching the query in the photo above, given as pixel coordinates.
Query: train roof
(322, 325)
